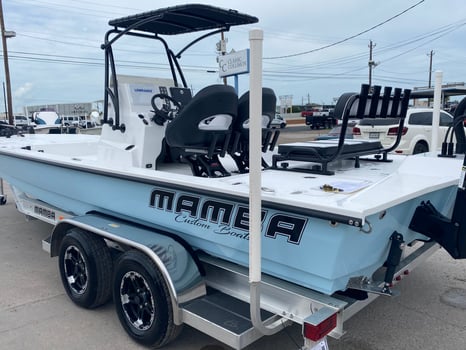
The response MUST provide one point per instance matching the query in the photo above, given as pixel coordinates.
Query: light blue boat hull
(309, 251)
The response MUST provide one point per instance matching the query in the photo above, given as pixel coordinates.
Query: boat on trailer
(191, 191)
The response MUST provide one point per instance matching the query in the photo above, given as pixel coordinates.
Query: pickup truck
(318, 118)
(417, 131)
(308, 111)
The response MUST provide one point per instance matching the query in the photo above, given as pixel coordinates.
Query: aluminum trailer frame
(223, 312)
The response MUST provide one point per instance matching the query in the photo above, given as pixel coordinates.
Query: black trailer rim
(76, 272)
(137, 300)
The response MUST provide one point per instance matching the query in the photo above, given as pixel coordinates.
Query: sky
(314, 50)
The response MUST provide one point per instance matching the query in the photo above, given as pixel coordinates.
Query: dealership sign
(234, 63)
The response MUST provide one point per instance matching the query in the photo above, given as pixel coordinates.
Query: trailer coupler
(449, 233)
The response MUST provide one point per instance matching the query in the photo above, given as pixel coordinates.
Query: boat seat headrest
(211, 111)
(269, 103)
(239, 148)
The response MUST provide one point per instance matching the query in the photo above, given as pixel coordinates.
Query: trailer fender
(176, 264)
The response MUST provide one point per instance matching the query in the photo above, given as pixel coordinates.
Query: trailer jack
(393, 259)
(367, 285)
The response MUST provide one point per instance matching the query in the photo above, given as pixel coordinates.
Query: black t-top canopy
(183, 19)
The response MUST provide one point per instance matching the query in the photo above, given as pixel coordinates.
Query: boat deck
(353, 192)
(319, 230)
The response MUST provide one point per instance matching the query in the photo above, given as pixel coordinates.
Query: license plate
(374, 135)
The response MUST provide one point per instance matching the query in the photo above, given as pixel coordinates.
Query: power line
(420, 39)
(75, 9)
(349, 67)
(348, 38)
(339, 61)
(76, 60)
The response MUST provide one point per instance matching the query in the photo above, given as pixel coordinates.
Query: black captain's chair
(202, 130)
(239, 149)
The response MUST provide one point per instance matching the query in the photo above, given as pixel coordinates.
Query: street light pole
(5, 35)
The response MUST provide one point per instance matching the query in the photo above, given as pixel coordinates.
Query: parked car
(324, 112)
(278, 122)
(7, 129)
(335, 132)
(21, 120)
(87, 124)
(417, 130)
(70, 120)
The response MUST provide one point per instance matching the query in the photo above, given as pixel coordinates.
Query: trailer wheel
(85, 268)
(142, 300)
(2, 200)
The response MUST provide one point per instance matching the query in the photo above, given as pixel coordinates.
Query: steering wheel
(165, 112)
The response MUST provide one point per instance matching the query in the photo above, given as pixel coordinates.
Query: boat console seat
(239, 149)
(202, 130)
(368, 104)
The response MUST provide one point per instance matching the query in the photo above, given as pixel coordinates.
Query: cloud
(23, 90)
(57, 48)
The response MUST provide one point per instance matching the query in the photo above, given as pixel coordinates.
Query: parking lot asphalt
(35, 312)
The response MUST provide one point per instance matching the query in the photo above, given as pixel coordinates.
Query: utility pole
(5, 35)
(223, 50)
(4, 99)
(430, 67)
(371, 62)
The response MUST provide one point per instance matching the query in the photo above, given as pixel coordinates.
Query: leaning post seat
(201, 132)
(368, 104)
(239, 149)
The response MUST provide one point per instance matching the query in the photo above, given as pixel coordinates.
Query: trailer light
(406, 272)
(398, 278)
(316, 332)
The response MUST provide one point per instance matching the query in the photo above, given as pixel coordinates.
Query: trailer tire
(86, 268)
(142, 300)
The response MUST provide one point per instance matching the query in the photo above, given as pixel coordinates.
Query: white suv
(417, 131)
